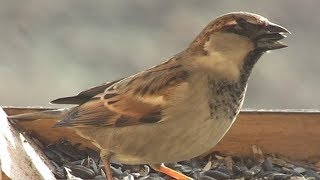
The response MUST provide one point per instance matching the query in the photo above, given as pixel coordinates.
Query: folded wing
(138, 99)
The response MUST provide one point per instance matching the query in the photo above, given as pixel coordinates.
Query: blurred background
(50, 49)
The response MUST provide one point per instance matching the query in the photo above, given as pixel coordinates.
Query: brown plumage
(181, 108)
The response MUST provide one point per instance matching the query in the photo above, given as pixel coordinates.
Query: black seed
(116, 171)
(279, 176)
(255, 169)
(217, 174)
(248, 174)
(207, 178)
(53, 154)
(312, 173)
(267, 165)
(185, 169)
(82, 172)
(299, 170)
(237, 171)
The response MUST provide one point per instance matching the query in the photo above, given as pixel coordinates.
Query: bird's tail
(46, 114)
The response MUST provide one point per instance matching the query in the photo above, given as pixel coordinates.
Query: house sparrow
(179, 109)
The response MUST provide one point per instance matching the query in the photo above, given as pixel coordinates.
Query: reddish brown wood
(293, 134)
(43, 127)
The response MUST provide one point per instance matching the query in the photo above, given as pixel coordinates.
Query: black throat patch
(226, 97)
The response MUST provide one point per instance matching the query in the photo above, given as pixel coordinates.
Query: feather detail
(83, 96)
(134, 100)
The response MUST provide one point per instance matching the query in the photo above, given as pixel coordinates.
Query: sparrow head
(228, 43)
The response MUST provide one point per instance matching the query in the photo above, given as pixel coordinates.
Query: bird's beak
(268, 38)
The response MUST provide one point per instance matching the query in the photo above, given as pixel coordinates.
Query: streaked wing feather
(131, 101)
(83, 96)
(146, 92)
(91, 113)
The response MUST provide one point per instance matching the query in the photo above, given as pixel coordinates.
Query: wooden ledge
(290, 133)
(20, 158)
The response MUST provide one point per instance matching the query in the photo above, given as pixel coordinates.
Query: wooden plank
(290, 133)
(20, 157)
(43, 127)
(21, 110)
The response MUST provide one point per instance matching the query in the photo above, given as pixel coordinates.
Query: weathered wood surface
(20, 157)
(293, 134)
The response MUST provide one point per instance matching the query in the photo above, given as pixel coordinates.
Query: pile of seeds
(71, 162)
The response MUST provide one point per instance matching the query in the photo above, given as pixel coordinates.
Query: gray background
(50, 48)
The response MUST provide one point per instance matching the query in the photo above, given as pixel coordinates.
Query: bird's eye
(239, 27)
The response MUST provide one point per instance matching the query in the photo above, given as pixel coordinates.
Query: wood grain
(294, 135)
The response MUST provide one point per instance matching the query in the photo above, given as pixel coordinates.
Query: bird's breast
(225, 98)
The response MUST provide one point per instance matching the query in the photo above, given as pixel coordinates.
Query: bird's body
(181, 108)
(194, 128)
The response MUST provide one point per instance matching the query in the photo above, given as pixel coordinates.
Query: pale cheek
(228, 69)
(219, 66)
